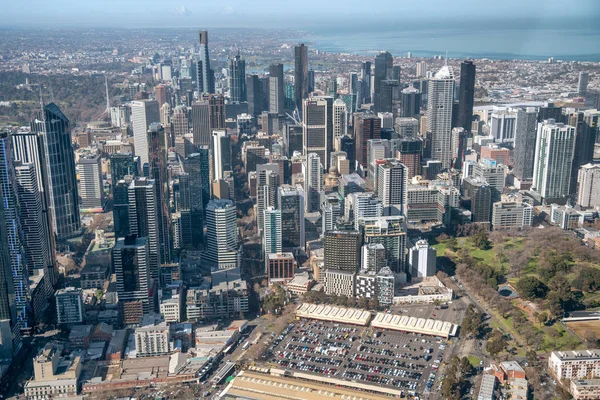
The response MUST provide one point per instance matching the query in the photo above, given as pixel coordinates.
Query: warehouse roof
(417, 325)
(335, 314)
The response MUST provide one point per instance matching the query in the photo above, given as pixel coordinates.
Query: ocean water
(523, 40)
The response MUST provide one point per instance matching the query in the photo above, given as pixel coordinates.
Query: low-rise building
(54, 376)
(585, 389)
(80, 336)
(576, 364)
(511, 213)
(93, 276)
(487, 387)
(300, 284)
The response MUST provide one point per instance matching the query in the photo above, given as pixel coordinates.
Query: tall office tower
(550, 111)
(392, 186)
(291, 203)
(121, 206)
(422, 260)
(388, 92)
(365, 78)
(58, 170)
(347, 146)
(221, 154)
(421, 69)
(340, 121)
(237, 79)
(584, 77)
(180, 121)
(591, 119)
(459, 147)
(312, 169)
(131, 261)
(276, 89)
(406, 127)
(311, 81)
(14, 230)
(314, 128)
(10, 328)
(201, 126)
(144, 217)
(165, 115)
(553, 160)
(362, 205)
(196, 165)
(342, 250)
(143, 113)
(160, 93)
(217, 112)
(439, 115)
(222, 243)
(409, 150)
(493, 174)
(586, 124)
(384, 63)
(396, 72)
(387, 121)
(267, 181)
(373, 257)
(36, 241)
(272, 234)
(480, 194)
(365, 128)
(157, 158)
(466, 95)
(300, 75)
(90, 182)
(503, 126)
(525, 139)
(588, 186)
(255, 94)
(121, 165)
(377, 149)
(205, 76)
(411, 103)
(184, 208)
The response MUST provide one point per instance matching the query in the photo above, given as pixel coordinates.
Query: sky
(297, 14)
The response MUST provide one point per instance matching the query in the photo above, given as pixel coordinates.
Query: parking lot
(404, 361)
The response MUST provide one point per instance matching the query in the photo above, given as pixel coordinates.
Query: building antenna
(51, 93)
(446, 60)
(107, 98)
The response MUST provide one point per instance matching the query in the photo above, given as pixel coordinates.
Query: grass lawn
(474, 361)
(441, 249)
(566, 341)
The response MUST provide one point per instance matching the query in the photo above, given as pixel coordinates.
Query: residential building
(576, 364)
(588, 186)
(90, 182)
(340, 282)
(422, 260)
(439, 114)
(153, 337)
(69, 306)
(222, 242)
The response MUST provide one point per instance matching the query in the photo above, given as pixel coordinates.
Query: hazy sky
(274, 13)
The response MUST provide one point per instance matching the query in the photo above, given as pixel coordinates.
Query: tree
(531, 288)
(373, 304)
(452, 243)
(481, 240)
(496, 344)
(590, 338)
(532, 358)
(465, 367)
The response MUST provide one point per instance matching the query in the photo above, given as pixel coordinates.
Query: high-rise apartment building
(343, 250)
(410, 100)
(466, 95)
(143, 218)
(222, 242)
(553, 159)
(525, 140)
(57, 161)
(272, 231)
(340, 120)
(90, 182)
(439, 114)
(422, 260)
(300, 75)
(588, 186)
(143, 113)
(392, 186)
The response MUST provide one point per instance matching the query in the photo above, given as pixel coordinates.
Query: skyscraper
(38, 252)
(90, 182)
(291, 203)
(10, 337)
(160, 92)
(300, 74)
(143, 218)
(384, 63)
(276, 89)
(409, 151)
(340, 121)
(588, 188)
(237, 79)
(222, 243)
(366, 127)
(255, 95)
(525, 140)
(466, 95)
(221, 154)
(313, 182)
(132, 266)
(365, 77)
(584, 77)
(342, 250)
(314, 128)
(272, 231)
(208, 114)
(392, 186)
(196, 166)
(439, 115)
(143, 113)
(553, 159)
(122, 164)
(411, 103)
(14, 231)
(205, 76)
(503, 126)
(180, 121)
(58, 172)
(267, 181)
